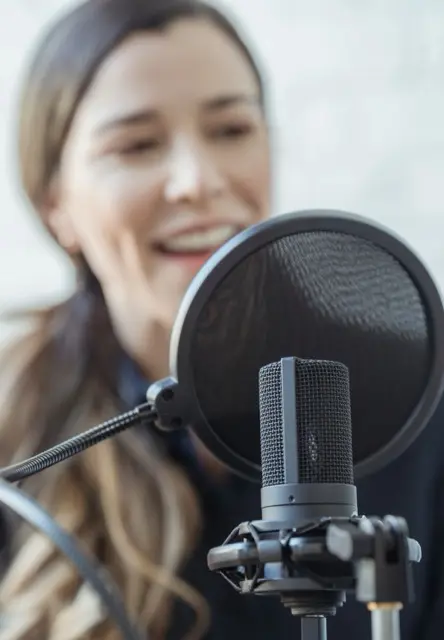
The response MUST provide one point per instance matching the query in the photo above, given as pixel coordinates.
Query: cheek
(109, 212)
(251, 175)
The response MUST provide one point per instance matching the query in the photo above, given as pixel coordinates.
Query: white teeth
(200, 240)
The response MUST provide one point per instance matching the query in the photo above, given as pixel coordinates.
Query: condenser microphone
(311, 547)
(306, 441)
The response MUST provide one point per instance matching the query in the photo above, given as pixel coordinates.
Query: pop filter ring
(253, 239)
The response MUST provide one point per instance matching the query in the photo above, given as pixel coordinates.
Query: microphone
(306, 441)
(311, 546)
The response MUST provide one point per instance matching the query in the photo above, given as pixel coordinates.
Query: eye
(233, 130)
(140, 146)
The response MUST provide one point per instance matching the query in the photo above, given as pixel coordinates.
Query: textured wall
(357, 98)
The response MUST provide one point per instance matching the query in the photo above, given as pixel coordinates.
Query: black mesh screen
(323, 423)
(315, 295)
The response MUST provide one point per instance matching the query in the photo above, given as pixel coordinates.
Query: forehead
(190, 61)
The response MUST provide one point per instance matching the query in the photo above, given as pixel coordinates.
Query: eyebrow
(145, 116)
(137, 117)
(229, 100)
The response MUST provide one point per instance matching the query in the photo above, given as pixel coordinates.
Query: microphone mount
(312, 568)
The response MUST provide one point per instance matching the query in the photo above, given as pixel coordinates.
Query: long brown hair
(126, 500)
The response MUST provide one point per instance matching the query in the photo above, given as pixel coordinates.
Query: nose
(193, 175)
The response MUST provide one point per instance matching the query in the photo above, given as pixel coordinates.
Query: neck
(147, 344)
(152, 357)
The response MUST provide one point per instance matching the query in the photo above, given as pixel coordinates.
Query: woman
(143, 147)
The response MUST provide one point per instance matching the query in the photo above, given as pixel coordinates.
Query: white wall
(358, 109)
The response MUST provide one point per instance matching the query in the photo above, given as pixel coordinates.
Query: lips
(198, 241)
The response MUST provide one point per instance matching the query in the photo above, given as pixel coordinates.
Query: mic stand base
(314, 628)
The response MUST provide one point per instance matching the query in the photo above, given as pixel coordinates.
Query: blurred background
(357, 103)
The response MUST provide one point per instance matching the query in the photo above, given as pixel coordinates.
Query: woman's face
(166, 159)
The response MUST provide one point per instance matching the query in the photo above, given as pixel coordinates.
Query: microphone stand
(314, 628)
(312, 568)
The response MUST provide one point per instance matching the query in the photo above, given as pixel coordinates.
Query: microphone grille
(271, 425)
(323, 444)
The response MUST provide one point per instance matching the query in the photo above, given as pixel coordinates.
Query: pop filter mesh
(316, 295)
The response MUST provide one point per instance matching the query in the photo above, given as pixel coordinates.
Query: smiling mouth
(197, 242)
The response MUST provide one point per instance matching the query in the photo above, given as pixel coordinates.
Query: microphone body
(306, 441)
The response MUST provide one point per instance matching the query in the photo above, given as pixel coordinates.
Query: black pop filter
(319, 285)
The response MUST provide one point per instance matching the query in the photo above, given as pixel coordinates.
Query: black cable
(76, 444)
(28, 509)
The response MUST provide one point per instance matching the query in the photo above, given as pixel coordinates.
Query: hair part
(61, 378)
